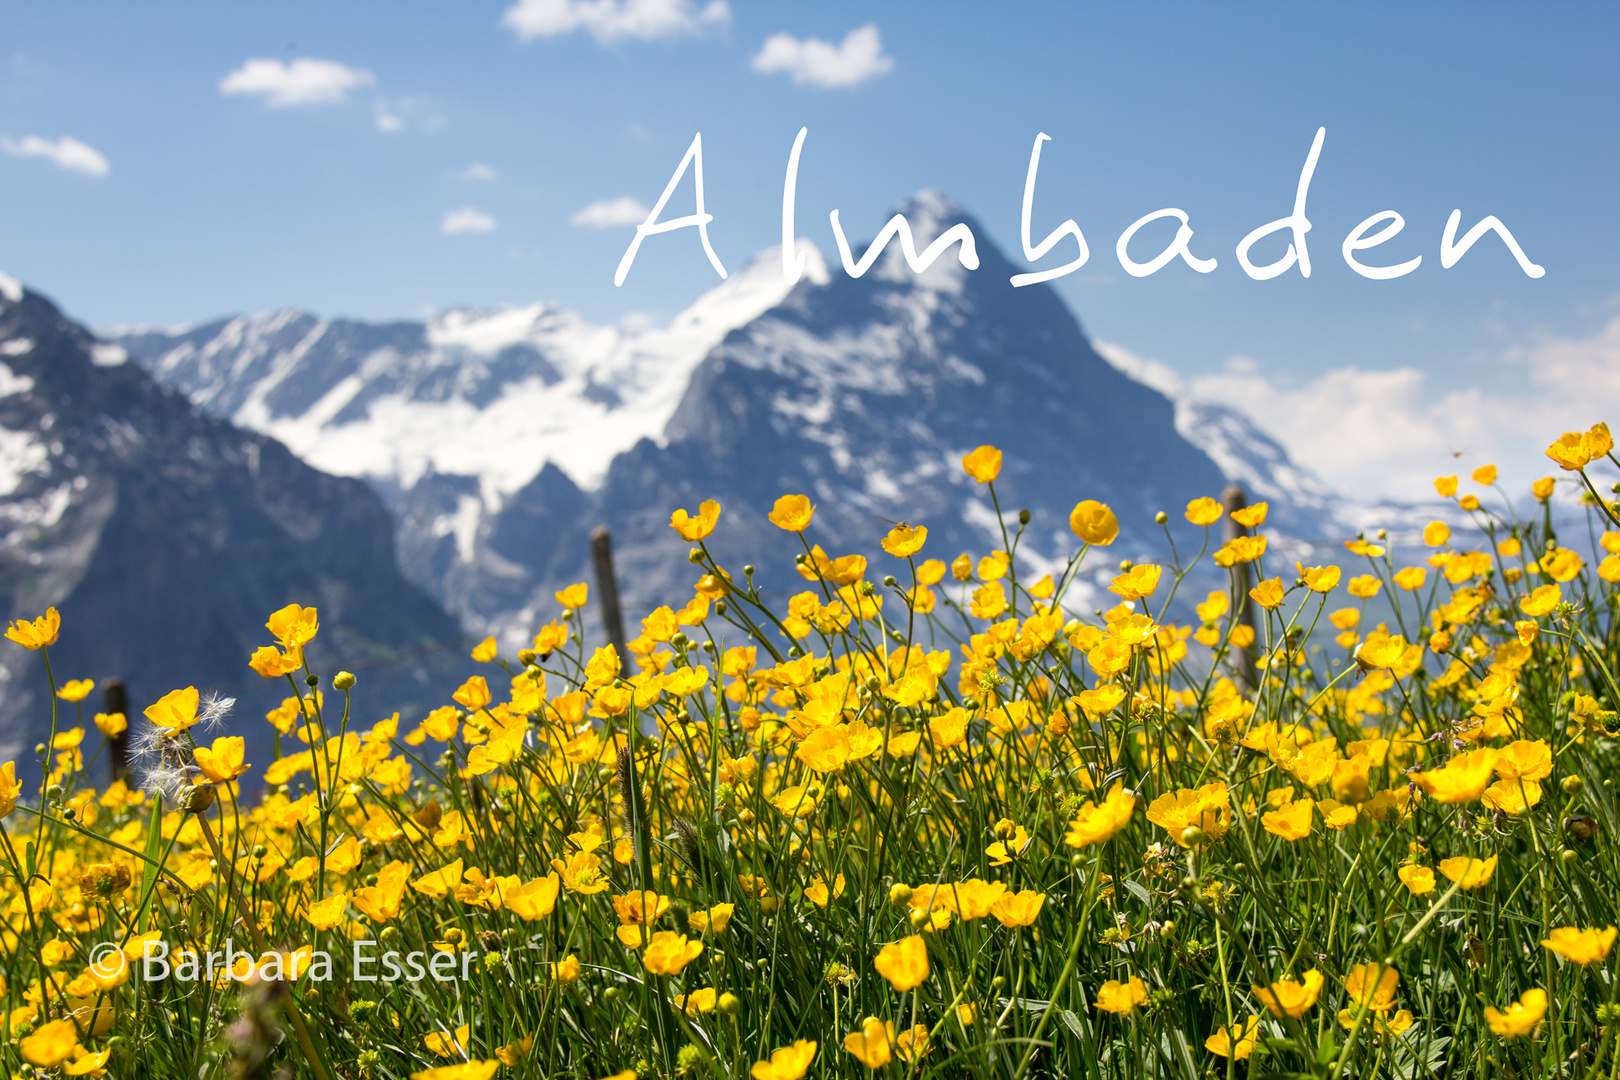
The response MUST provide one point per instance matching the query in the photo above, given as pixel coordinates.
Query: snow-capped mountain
(165, 537)
(499, 438)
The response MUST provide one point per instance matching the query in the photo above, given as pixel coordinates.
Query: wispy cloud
(609, 21)
(1388, 433)
(609, 213)
(466, 220)
(813, 62)
(304, 81)
(479, 171)
(67, 152)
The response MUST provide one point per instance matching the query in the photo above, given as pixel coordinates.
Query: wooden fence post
(115, 699)
(608, 586)
(1242, 607)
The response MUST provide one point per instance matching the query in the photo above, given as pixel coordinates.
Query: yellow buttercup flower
(1251, 517)
(51, 1044)
(1581, 946)
(1094, 523)
(1463, 779)
(176, 710)
(788, 1063)
(1121, 997)
(668, 952)
(983, 464)
(1521, 1017)
(792, 513)
(1377, 996)
(1204, 511)
(1419, 880)
(1290, 997)
(873, 1045)
(904, 540)
(38, 633)
(76, 689)
(1236, 1042)
(694, 528)
(1469, 872)
(1096, 823)
(904, 963)
(1268, 594)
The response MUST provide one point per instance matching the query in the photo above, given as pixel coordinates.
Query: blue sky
(213, 202)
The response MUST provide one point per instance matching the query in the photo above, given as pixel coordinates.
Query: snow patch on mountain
(491, 394)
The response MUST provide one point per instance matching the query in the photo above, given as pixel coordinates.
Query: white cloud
(609, 213)
(67, 152)
(479, 171)
(304, 81)
(387, 121)
(813, 62)
(609, 21)
(1389, 433)
(466, 220)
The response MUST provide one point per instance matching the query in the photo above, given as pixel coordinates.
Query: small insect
(891, 521)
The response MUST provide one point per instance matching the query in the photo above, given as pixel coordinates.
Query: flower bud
(729, 1004)
(1023, 517)
(695, 555)
(1160, 518)
(1192, 836)
(453, 936)
(343, 680)
(312, 680)
(900, 895)
(1572, 784)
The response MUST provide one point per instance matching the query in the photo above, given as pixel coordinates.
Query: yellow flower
(76, 689)
(1018, 909)
(1463, 779)
(904, 963)
(581, 873)
(1290, 997)
(1445, 486)
(873, 1044)
(1291, 822)
(693, 529)
(983, 464)
(1521, 1017)
(51, 1045)
(294, 626)
(1268, 594)
(1096, 823)
(792, 513)
(10, 789)
(327, 913)
(905, 540)
(380, 902)
(1469, 872)
(272, 663)
(111, 724)
(1412, 578)
(1419, 880)
(1436, 533)
(566, 970)
(1238, 1042)
(1204, 511)
(1364, 587)
(1541, 600)
(668, 952)
(1322, 579)
(1574, 450)
(473, 694)
(1251, 517)
(1137, 583)
(1542, 489)
(485, 650)
(446, 1045)
(222, 762)
(1379, 997)
(1205, 808)
(574, 596)
(1581, 946)
(818, 893)
(788, 1063)
(1121, 997)
(176, 710)
(698, 1001)
(1094, 523)
(38, 633)
(466, 1070)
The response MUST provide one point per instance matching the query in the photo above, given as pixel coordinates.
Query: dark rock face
(865, 394)
(165, 537)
